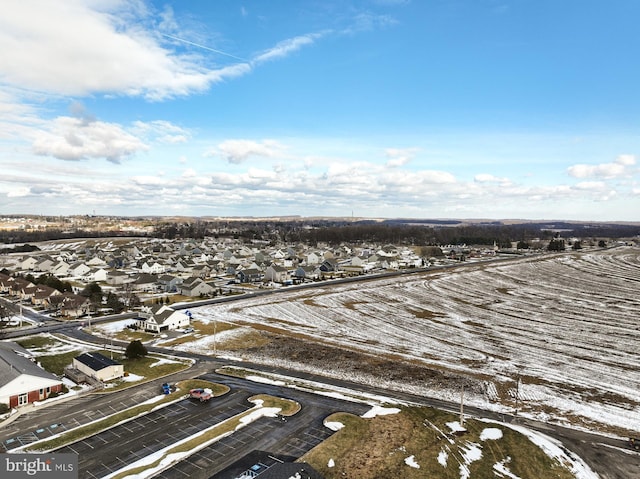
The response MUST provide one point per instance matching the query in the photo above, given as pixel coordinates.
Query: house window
(48, 390)
(23, 399)
(41, 392)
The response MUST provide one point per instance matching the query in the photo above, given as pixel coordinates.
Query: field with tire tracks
(555, 335)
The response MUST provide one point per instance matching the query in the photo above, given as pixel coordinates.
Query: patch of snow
(502, 469)
(154, 399)
(442, 458)
(257, 413)
(492, 433)
(206, 344)
(331, 463)
(554, 449)
(380, 411)
(131, 378)
(472, 452)
(263, 380)
(455, 426)
(113, 327)
(163, 361)
(411, 462)
(334, 425)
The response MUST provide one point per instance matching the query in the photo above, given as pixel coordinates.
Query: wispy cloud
(287, 47)
(399, 156)
(488, 178)
(237, 151)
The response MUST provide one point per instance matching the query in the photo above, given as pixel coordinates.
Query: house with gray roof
(161, 318)
(22, 381)
(193, 287)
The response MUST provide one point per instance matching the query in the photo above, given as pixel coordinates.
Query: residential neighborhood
(142, 271)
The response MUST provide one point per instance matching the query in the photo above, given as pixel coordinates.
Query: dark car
(634, 442)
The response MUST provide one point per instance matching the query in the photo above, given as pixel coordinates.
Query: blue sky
(371, 108)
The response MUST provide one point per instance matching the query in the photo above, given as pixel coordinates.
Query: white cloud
(627, 160)
(399, 156)
(68, 138)
(19, 192)
(237, 151)
(488, 178)
(161, 131)
(79, 48)
(591, 185)
(618, 168)
(149, 180)
(367, 22)
(286, 47)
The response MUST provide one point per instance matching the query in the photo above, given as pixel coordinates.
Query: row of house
(148, 267)
(46, 297)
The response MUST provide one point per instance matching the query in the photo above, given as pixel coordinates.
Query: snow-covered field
(566, 325)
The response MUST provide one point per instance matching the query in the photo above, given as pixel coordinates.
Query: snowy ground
(565, 325)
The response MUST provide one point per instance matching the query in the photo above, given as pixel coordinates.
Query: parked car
(634, 443)
(201, 394)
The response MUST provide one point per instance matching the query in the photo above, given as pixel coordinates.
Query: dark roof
(96, 361)
(286, 470)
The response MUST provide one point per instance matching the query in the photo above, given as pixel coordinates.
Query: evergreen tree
(135, 350)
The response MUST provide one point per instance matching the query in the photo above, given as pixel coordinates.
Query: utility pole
(462, 407)
(517, 395)
(215, 340)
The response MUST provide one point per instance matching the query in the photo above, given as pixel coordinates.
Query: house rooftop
(15, 361)
(96, 361)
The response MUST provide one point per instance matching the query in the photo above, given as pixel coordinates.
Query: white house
(153, 267)
(28, 263)
(95, 275)
(162, 318)
(78, 269)
(97, 366)
(96, 262)
(61, 268)
(277, 274)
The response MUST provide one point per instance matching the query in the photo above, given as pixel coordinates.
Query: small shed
(97, 366)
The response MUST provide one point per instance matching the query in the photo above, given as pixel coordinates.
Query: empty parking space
(30, 437)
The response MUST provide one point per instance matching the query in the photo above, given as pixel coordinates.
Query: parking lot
(110, 450)
(285, 439)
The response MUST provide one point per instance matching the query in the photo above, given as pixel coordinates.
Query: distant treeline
(26, 236)
(411, 232)
(414, 232)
